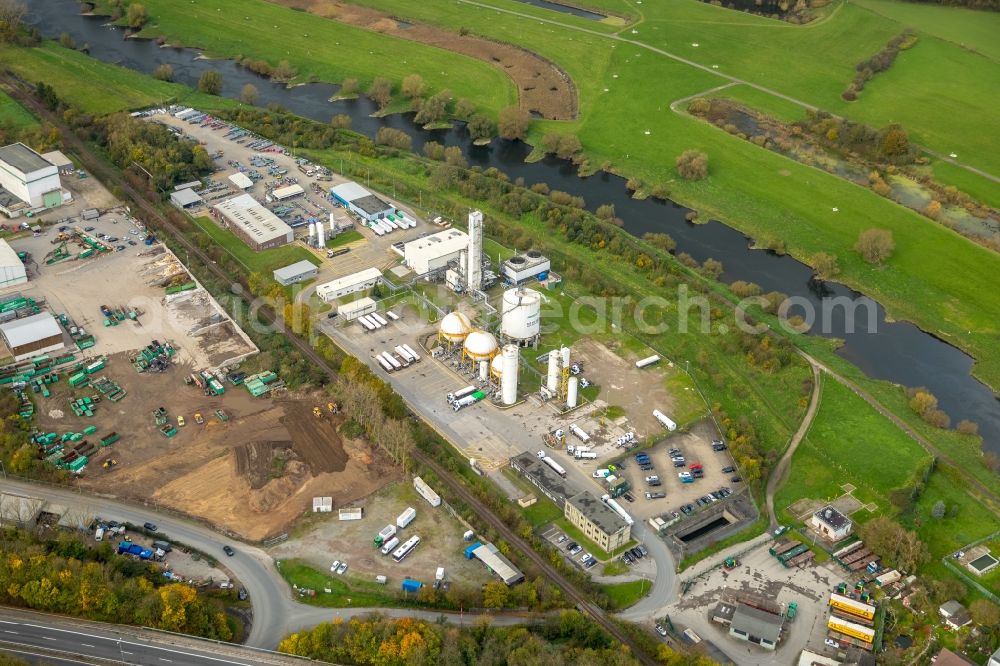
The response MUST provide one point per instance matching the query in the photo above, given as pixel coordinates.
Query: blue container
(410, 585)
(470, 548)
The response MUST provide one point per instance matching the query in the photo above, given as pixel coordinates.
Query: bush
(164, 72)
(394, 138)
(875, 245)
(692, 165)
(210, 82)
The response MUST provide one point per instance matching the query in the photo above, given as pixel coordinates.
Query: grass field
(14, 115)
(323, 49)
(623, 595)
(73, 75)
(264, 261)
(839, 449)
(344, 591)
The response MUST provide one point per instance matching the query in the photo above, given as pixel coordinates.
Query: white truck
(586, 455)
(578, 431)
(461, 393)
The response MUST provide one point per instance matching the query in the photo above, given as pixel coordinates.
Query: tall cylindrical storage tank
(312, 232)
(521, 314)
(333, 227)
(320, 236)
(572, 392)
(552, 379)
(565, 357)
(484, 370)
(508, 380)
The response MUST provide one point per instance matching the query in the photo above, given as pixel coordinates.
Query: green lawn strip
(73, 74)
(346, 591)
(344, 238)
(614, 568)
(978, 187)
(14, 115)
(623, 595)
(321, 48)
(264, 261)
(543, 511)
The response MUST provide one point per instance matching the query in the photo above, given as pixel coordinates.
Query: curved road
(275, 612)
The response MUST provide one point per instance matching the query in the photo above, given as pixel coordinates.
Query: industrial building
(27, 180)
(831, 524)
(288, 192)
(541, 476)
(597, 521)
(435, 251)
(300, 271)
(241, 181)
(366, 279)
(255, 224)
(361, 202)
(520, 268)
(354, 309)
(62, 163)
(757, 626)
(12, 269)
(185, 198)
(32, 336)
(490, 555)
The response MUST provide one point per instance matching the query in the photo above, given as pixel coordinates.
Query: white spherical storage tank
(496, 367)
(508, 380)
(455, 327)
(521, 314)
(480, 346)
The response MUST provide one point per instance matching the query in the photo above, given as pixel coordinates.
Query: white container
(406, 517)
(665, 420)
(439, 574)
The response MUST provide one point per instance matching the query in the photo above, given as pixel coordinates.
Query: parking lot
(371, 250)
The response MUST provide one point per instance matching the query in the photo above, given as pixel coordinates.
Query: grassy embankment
(14, 115)
(73, 75)
(344, 591)
(321, 49)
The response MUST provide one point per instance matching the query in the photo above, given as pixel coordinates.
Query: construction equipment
(160, 416)
(793, 609)
(732, 563)
(198, 419)
(109, 463)
(168, 430)
(221, 415)
(317, 412)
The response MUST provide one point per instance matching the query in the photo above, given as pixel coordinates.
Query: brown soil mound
(543, 88)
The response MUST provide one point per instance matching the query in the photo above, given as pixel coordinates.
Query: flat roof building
(254, 223)
(831, 524)
(366, 279)
(542, 476)
(599, 522)
(12, 269)
(185, 198)
(32, 336)
(756, 626)
(494, 560)
(287, 192)
(27, 178)
(355, 309)
(532, 265)
(435, 251)
(300, 271)
(361, 202)
(241, 181)
(57, 159)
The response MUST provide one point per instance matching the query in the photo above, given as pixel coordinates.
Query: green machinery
(83, 406)
(109, 389)
(168, 430)
(160, 416)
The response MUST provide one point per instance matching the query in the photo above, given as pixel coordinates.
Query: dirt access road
(543, 88)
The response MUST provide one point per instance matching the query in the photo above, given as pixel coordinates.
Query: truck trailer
(461, 393)
(665, 420)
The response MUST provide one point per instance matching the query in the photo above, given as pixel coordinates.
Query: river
(897, 351)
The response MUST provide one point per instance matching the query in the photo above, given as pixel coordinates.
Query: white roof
(439, 244)
(30, 329)
(257, 221)
(8, 256)
(489, 555)
(347, 281)
(241, 181)
(350, 191)
(289, 191)
(185, 197)
(355, 306)
(294, 270)
(56, 157)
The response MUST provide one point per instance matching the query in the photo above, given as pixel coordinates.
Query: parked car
(735, 479)
(674, 452)
(342, 569)
(642, 549)
(657, 495)
(181, 422)
(334, 566)
(150, 526)
(228, 550)
(651, 479)
(131, 242)
(562, 537)
(832, 643)
(661, 630)
(728, 470)
(89, 229)
(686, 509)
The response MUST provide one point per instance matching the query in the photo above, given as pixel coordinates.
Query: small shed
(241, 181)
(186, 198)
(300, 271)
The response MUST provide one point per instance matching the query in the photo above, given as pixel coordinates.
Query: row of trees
(878, 63)
(567, 638)
(69, 576)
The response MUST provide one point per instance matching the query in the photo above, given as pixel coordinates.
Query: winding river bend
(897, 351)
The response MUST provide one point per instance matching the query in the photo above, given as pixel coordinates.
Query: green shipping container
(90, 430)
(78, 379)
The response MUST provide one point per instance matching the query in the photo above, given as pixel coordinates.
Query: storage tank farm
(454, 329)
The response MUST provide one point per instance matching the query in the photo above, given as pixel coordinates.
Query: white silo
(508, 378)
(320, 236)
(312, 232)
(521, 315)
(484, 370)
(552, 379)
(572, 389)
(474, 278)
(565, 357)
(333, 226)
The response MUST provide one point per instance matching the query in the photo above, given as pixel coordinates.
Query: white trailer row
(617, 508)
(556, 467)
(403, 358)
(579, 432)
(387, 226)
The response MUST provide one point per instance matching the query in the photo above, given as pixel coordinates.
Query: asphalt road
(275, 612)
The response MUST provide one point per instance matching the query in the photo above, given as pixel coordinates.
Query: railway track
(108, 174)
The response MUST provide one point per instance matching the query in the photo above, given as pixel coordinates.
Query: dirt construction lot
(324, 538)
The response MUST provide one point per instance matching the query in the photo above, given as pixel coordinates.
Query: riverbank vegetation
(63, 573)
